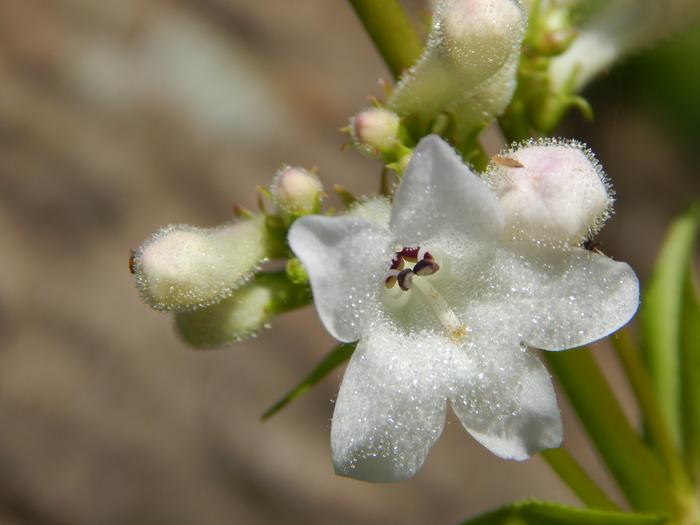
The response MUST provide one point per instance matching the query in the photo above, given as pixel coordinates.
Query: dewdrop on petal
(551, 192)
(375, 131)
(182, 267)
(470, 42)
(296, 191)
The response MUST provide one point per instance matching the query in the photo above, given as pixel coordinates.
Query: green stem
(391, 31)
(631, 463)
(654, 419)
(580, 483)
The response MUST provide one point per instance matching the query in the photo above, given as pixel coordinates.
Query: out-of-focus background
(119, 117)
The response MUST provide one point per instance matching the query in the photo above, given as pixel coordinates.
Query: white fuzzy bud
(235, 319)
(372, 209)
(552, 192)
(375, 131)
(296, 191)
(182, 267)
(470, 42)
(245, 313)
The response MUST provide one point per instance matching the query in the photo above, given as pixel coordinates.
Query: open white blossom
(444, 310)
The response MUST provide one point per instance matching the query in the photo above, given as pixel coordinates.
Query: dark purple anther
(405, 278)
(425, 267)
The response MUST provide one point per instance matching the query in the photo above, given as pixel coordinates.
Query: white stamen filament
(441, 309)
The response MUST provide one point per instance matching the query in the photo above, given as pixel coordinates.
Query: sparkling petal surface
(440, 198)
(510, 408)
(346, 259)
(564, 299)
(391, 406)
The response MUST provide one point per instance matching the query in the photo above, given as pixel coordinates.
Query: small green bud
(296, 192)
(244, 314)
(296, 271)
(375, 131)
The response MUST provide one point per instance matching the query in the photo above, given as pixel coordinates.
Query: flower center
(405, 273)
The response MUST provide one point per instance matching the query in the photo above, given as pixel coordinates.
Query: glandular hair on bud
(470, 41)
(182, 267)
(375, 131)
(551, 191)
(296, 191)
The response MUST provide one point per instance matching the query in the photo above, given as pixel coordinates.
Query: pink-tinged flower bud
(551, 192)
(296, 191)
(375, 131)
(182, 267)
(470, 43)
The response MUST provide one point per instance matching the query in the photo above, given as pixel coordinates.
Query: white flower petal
(564, 299)
(509, 406)
(390, 408)
(346, 259)
(440, 198)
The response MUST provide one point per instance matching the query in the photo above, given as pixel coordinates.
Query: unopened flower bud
(182, 267)
(470, 42)
(375, 131)
(372, 209)
(296, 191)
(244, 314)
(551, 192)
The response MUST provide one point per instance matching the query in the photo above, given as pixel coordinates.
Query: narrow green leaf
(330, 362)
(690, 374)
(580, 483)
(631, 463)
(654, 420)
(548, 513)
(660, 317)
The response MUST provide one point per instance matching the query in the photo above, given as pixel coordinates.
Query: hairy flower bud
(245, 313)
(296, 191)
(182, 267)
(471, 41)
(551, 191)
(375, 131)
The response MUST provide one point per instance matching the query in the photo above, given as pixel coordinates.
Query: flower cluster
(445, 303)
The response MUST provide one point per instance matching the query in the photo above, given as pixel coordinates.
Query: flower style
(445, 307)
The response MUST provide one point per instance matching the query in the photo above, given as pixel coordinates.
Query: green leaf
(330, 362)
(547, 513)
(660, 316)
(690, 375)
(631, 463)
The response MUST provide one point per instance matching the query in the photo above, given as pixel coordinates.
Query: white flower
(444, 309)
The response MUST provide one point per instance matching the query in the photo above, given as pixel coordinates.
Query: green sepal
(690, 375)
(660, 317)
(333, 359)
(548, 513)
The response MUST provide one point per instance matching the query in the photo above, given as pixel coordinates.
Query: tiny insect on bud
(296, 191)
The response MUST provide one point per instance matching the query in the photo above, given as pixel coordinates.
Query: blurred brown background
(119, 117)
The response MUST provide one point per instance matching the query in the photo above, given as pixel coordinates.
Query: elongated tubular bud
(244, 314)
(470, 41)
(182, 267)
